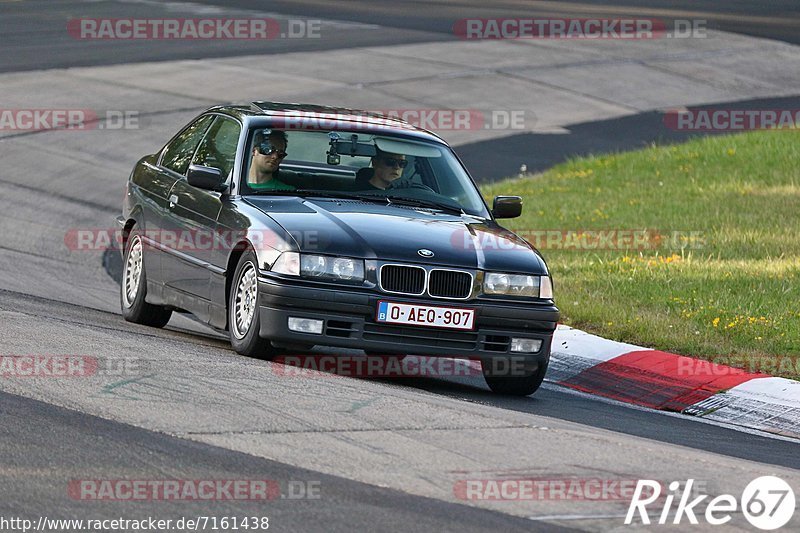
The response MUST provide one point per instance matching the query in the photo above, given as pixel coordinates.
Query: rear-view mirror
(207, 178)
(507, 207)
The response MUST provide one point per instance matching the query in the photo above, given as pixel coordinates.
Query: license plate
(426, 315)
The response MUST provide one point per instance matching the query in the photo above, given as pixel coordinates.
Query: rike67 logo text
(767, 502)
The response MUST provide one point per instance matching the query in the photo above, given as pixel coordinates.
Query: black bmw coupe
(297, 225)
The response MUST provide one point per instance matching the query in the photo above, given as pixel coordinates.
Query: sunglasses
(268, 149)
(394, 163)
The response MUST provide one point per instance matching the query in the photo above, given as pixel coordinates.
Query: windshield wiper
(402, 200)
(327, 194)
(345, 195)
(374, 198)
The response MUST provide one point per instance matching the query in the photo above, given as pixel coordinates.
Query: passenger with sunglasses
(269, 149)
(386, 169)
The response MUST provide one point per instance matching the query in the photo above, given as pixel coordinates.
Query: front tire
(133, 288)
(243, 315)
(510, 381)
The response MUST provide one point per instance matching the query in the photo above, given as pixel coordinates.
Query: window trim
(213, 115)
(162, 153)
(218, 116)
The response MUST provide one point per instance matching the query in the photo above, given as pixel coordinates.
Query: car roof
(316, 115)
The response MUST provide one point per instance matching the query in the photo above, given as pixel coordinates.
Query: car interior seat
(363, 176)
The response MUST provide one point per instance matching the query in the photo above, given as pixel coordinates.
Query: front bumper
(349, 322)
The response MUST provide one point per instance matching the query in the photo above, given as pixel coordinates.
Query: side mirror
(207, 178)
(507, 207)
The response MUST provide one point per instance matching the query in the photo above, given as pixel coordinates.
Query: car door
(193, 217)
(174, 160)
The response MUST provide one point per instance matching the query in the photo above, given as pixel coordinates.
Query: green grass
(727, 293)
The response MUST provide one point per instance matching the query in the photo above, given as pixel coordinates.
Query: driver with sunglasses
(386, 169)
(269, 149)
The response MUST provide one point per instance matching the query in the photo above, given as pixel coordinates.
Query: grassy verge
(716, 275)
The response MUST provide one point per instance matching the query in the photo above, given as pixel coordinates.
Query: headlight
(348, 269)
(320, 267)
(313, 266)
(517, 285)
(287, 263)
(546, 288)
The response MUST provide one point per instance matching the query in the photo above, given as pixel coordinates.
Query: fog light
(305, 325)
(526, 345)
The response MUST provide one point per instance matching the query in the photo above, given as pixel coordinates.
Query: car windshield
(368, 166)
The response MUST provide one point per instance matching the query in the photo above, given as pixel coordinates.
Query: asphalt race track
(178, 404)
(34, 37)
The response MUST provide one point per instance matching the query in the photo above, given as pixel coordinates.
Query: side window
(181, 149)
(218, 148)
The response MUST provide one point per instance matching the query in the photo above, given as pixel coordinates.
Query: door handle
(173, 199)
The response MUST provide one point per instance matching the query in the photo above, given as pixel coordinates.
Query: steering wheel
(407, 183)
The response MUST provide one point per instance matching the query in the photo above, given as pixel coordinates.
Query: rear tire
(243, 315)
(133, 288)
(514, 385)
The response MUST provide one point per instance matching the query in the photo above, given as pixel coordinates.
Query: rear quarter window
(180, 150)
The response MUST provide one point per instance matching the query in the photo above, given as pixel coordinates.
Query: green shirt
(272, 185)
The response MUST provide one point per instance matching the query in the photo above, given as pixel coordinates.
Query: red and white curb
(666, 381)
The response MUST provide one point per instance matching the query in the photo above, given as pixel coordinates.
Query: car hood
(357, 228)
